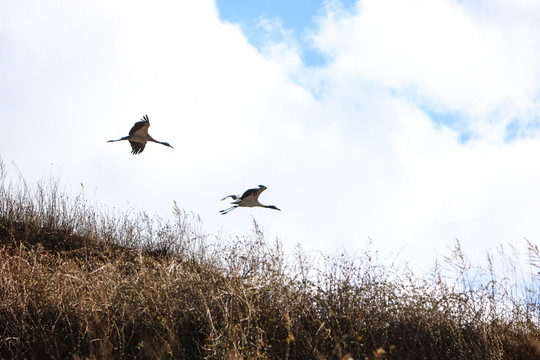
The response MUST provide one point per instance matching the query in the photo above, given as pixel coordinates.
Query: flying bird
(250, 198)
(138, 136)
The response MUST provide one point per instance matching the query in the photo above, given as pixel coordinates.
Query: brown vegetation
(82, 283)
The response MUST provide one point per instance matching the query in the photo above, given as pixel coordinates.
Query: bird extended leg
(223, 212)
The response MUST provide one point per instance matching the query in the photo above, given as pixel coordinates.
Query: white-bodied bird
(250, 198)
(138, 136)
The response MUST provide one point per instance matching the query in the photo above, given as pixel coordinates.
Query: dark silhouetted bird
(138, 136)
(250, 198)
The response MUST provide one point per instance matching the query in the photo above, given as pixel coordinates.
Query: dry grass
(81, 282)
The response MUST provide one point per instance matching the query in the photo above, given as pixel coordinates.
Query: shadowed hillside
(80, 281)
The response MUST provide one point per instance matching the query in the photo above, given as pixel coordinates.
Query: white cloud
(399, 178)
(357, 162)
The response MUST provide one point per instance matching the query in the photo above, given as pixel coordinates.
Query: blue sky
(415, 124)
(297, 18)
(295, 15)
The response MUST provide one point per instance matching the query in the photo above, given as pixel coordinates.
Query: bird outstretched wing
(253, 192)
(136, 147)
(142, 126)
(234, 197)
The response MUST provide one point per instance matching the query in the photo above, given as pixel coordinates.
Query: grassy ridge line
(77, 282)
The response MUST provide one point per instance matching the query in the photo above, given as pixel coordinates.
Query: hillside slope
(82, 283)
